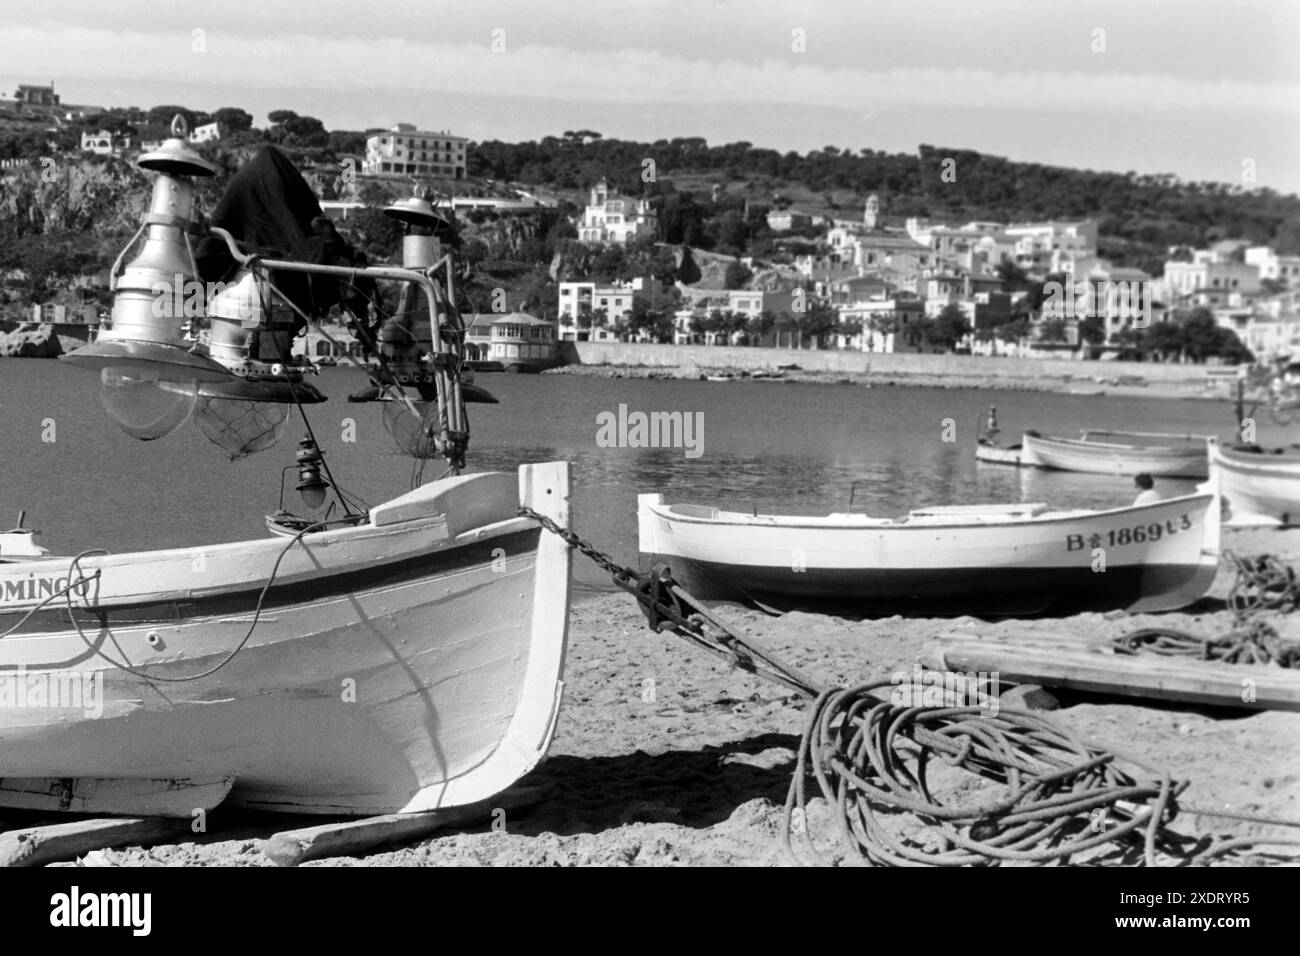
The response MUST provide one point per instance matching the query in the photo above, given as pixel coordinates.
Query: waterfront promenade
(1149, 379)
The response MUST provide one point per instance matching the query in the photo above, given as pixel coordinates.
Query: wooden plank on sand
(1250, 686)
(351, 837)
(1019, 634)
(36, 846)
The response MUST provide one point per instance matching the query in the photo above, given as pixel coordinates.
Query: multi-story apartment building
(1273, 266)
(610, 217)
(616, 299)
(980, 246)
(36, 95)
(888, 324)
(1208, 282)
(1045, 245)
(406, 151)
(750, 303)
(942, 290)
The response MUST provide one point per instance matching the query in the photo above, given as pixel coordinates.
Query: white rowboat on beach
(965, 559)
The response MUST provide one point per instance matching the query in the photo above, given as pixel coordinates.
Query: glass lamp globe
(313, 494)
(241, 428)
(414, 436)
(143, 406)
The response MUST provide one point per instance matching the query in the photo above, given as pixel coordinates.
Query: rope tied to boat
(669, 608)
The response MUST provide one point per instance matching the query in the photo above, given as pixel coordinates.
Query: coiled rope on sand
(1033, 793)
(1029, 792)
(1262, 583)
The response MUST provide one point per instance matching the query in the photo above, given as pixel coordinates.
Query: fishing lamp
(406, 338)
(150, 341)
(252, 337)
(154, 371)
(309, 460)
(141, 404)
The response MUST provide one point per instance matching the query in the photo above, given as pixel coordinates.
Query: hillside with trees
(713, 199)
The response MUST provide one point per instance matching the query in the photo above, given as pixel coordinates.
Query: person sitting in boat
(1147, 493)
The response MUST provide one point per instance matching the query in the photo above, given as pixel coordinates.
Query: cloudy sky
(1192, 87)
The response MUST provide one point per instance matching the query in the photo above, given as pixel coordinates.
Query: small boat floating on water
(1088, 454)
(1260, 488)
(962, 559)
(1159, 454)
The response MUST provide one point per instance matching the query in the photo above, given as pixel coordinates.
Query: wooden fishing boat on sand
(963, 559)
(366, 659)
(1260, 488)
(1159, 454)
(409, 662)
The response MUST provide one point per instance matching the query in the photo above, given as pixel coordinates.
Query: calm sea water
(793, 448)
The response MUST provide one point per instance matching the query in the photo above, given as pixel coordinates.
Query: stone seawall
(879, 366)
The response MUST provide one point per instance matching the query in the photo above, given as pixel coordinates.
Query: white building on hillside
(1047, 245)
(207, 133)
(1209, 282)
(1272, 266)
(610, 217)
(406, 151)
(101, 143)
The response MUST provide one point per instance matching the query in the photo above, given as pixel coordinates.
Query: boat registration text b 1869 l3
(1134, 534)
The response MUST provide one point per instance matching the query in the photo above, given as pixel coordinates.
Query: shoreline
(1083, 387)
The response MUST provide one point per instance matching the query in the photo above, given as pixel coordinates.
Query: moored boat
(995, 454)
(965, 559)
(1159, 454)
(1260, 488)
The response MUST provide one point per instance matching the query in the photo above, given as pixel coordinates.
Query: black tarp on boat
(269, 209)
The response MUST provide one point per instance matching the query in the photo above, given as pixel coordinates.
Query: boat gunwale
(1155, 451)
(1259, 462)
(891, 524)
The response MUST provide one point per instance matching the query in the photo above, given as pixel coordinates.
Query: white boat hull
(1260, 489)
(1106, 458)
(407, 664)
(998, 454)
(946, 561)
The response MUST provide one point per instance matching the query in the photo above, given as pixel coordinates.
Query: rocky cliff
(104, 196)
(31, 341)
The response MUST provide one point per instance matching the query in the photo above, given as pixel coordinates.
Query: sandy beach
(666, 757)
